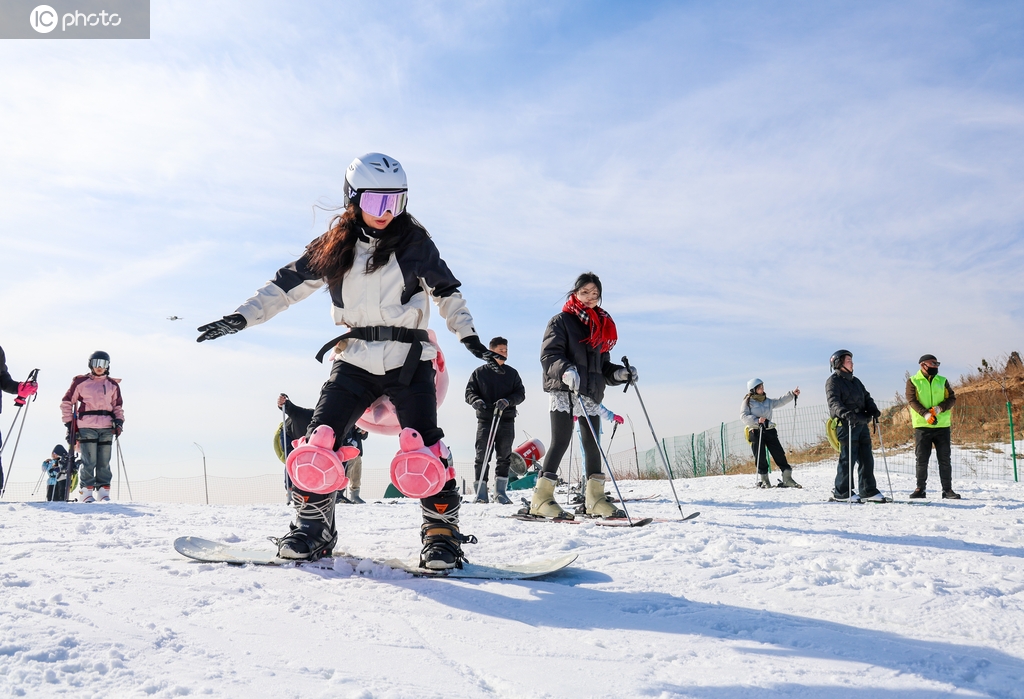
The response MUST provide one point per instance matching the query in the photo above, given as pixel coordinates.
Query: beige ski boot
(543, 502)
(597, 501)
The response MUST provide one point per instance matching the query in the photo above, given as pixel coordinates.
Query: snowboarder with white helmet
(93, 414)
(756, 413)
(850, 402)
(381, 268)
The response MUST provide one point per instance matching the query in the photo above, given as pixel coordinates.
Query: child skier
(756, 413)
(488, 392)
(381, 269)
(93, 415)
(576, 365)
(56, 472)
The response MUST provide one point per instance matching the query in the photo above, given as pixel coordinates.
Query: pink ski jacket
(96, 400)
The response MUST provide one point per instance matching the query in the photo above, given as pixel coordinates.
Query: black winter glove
(479, 405)
(67, 435)
(501, 404)
(875, 413)
(474, 345)
(228, 325)
(118, 427)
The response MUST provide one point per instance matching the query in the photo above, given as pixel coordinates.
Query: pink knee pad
(416, 470)
(315, 467)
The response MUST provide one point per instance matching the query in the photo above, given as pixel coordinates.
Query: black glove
(501, 404)
(474, 345)
(853, 419)
(479, 405)
(875, 413)
(118, 427)
(67, 435)
(228, 325)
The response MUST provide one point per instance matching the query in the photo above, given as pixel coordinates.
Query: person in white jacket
(381, 269)
(756, 413)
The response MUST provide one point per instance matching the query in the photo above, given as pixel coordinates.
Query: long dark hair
(332, 254)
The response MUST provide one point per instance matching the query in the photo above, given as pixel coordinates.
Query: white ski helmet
(374, 171)
(752, 384)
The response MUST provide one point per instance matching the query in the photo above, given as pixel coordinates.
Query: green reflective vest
(930, 394)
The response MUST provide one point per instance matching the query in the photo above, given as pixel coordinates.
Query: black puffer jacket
(563, 346)
(848, 398)
(488, 386)
(7, 382)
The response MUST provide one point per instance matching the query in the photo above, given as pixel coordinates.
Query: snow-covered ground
(767, 593)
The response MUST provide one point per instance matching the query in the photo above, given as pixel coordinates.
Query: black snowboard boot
(312, 535)
(918, 493)
(440, 535)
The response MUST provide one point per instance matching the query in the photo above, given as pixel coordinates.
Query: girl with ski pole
(574, 358)
(93, 414)
(756, 413)
(381, 269)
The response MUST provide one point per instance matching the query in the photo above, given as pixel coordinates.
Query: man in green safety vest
(931, 398)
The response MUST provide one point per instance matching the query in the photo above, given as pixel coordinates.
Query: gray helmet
(375, 171)
(101, 359)
(752, 384)
(836, 360)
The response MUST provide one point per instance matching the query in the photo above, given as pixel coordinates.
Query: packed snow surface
(768, 593)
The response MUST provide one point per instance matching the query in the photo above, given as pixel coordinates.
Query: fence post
(1013, 440)
(721, 435)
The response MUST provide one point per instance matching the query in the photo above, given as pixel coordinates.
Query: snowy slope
(768, 593)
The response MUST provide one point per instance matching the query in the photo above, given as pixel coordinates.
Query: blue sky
(758, 184)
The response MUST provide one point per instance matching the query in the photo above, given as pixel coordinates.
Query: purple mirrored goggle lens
(376, 203)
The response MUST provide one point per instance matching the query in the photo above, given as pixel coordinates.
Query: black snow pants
(561, 436)
(769, 440)
(503, 438)
(924, 438)
(861, 454)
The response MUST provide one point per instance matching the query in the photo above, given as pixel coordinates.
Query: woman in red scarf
(574, 356)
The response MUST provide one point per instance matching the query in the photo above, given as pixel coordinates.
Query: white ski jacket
(752, 410)
(395, 295)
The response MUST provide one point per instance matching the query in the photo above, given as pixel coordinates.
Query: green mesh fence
(982, 447)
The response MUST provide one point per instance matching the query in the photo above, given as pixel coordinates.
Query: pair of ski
(524, 516)
(214, 552)
(887, 501)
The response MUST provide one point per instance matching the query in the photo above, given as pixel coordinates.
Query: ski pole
(611, 439)
(24, 416)
(849, 458)
(284, 436)
(485, 467)
(593, 433)
(10, 430)
(757, 459)
(120, 456)
(34, 489)
(636, 453)
(657, 444)
(885, 461)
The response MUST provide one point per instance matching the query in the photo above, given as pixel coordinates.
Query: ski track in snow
(768, 593)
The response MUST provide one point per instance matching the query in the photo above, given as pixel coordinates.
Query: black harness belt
(387, 333)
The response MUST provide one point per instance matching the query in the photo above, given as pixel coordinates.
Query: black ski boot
(312, 535)
(440, 535)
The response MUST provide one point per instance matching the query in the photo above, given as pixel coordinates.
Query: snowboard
(213, 552)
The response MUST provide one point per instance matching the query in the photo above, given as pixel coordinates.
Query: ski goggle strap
(376, 203)
(102, 363)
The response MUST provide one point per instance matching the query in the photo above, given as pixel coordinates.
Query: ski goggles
(377, 203)
(102, 363)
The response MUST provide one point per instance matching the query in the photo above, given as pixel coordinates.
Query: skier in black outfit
(381, 269)
(851, 403)
(576, 364)
(23, 390)
(487, 392)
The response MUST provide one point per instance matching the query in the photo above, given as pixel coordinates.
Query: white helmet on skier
(376, 172)
(752, 384)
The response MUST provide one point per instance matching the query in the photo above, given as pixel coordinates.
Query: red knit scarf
(601, 326)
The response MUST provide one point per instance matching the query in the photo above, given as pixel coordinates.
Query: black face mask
(932, 370)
